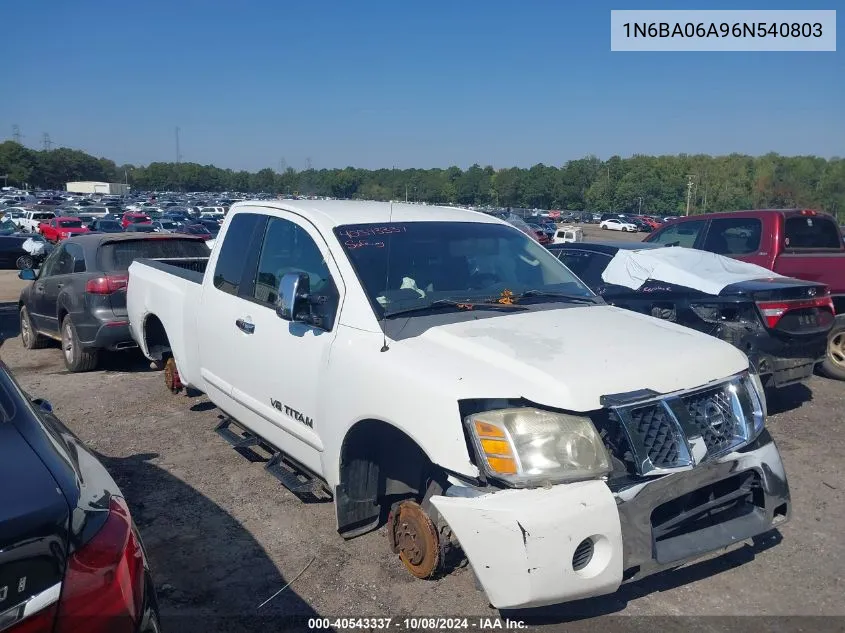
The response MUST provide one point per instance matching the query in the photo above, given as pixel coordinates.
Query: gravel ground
(223, 535)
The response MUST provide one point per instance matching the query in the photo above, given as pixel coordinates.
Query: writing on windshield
(415, 264)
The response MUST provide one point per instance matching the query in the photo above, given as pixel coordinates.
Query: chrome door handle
(245, 326)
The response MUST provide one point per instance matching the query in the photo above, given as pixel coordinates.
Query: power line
(46, 142)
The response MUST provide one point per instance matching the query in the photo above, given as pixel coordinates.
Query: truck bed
(189, 268)
(167, 291)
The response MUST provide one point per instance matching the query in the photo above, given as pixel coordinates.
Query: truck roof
(329, 214)
(751, 213)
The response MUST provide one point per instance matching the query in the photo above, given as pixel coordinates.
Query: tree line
(655, 184)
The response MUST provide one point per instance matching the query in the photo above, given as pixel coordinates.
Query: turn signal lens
(488, 430)
(496, 447)
(502, 466)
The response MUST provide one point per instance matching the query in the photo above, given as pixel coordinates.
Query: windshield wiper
(557, 295)
(441, 304)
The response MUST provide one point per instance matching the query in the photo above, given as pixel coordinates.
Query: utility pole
(690, 183)
(178, 152)
(16, 134)
(640, 207)
(46, 142)
(406, 194)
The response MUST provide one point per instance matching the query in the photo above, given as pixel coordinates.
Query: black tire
(25, 262)
(30, 337)
(77, 359)
(833, 365)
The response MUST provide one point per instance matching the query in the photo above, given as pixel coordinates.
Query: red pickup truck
(799, 243)
(60, 228)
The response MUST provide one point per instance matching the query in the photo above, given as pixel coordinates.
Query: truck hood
(568, 358)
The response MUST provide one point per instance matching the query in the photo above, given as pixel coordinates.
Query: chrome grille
(657, 434)
(677, 431)
(713, 415)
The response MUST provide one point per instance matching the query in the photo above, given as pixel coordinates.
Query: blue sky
(412, 84)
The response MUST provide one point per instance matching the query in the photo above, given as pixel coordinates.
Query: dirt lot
(223, 536)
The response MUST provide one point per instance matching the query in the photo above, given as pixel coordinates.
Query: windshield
(418, 263)
(109, 225)
(70, 224)
(138, 219)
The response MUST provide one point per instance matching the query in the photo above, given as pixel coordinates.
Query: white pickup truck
(30, 220)
(438, 371)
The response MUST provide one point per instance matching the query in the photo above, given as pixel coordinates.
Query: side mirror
(27, 274)
(293, 295)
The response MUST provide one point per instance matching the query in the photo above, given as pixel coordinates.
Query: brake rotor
(171, 376)
(415, 537)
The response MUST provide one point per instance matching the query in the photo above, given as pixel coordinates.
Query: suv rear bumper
(522, 544)
(108, 335)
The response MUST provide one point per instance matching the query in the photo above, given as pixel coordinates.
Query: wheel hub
(836, 348)
(416, 539)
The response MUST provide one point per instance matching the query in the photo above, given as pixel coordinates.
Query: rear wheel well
(839, 305)
(155, 338)
(379, 466)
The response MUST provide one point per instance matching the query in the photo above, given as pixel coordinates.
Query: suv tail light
(107, 285)
(774, 311)
(103, 585)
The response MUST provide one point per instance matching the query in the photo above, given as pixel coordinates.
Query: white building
(109, 188)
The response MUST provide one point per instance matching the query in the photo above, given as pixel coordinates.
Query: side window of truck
(288, 248)
(811, 232)
(234, 253)
(734, 236)
(680, 234)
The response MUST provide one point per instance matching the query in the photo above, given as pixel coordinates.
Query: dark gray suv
(78, 296)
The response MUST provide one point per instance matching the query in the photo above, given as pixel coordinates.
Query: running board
(293, 476)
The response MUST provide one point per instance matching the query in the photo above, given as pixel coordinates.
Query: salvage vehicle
(12, 252)
(780, 323)
(568, 234)
(31, 220)
(71, 558)
(78, 295)
(132, 217)
(58, 229)
(800, 243)
(416, 365)
(617, 224)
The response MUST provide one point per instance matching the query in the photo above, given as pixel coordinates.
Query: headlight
(524, 446)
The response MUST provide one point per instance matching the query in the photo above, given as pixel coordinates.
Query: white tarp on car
(701, 270)
(34, 247)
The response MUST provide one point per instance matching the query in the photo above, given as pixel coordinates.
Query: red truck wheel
(834, 363)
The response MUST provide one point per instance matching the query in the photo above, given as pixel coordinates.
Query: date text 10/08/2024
(413, 624)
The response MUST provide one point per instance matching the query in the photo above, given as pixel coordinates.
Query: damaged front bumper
(534, 547)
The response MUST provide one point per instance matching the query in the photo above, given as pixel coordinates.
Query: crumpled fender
(520, 543)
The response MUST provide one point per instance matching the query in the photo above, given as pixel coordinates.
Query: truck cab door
(274, 366)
